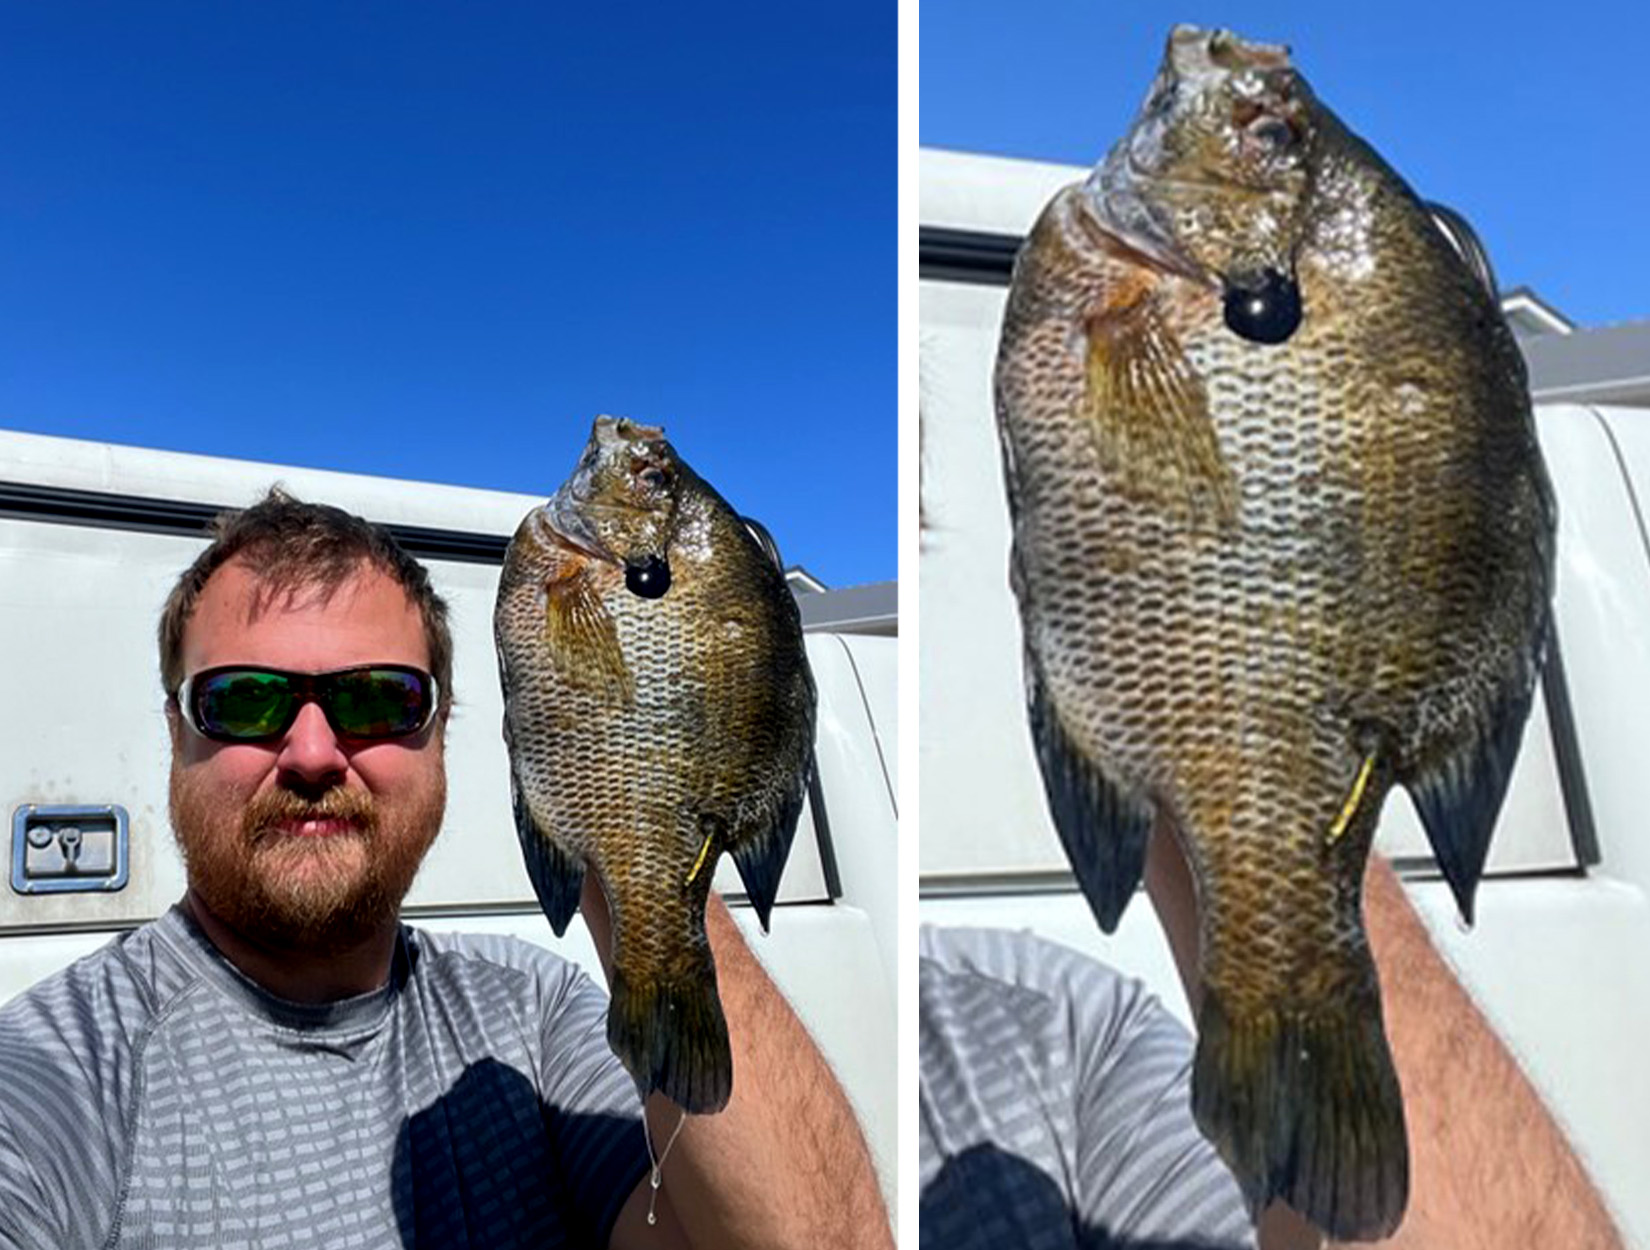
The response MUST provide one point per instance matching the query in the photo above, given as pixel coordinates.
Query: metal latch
(56, 850)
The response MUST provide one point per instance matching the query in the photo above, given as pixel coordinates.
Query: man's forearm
(1488, 1165)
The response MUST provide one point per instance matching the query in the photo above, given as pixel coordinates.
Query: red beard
(321, 893)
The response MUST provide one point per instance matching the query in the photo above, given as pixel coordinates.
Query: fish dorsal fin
(1149, 408)
(580, 635)
(760, 853)
(1458, 794)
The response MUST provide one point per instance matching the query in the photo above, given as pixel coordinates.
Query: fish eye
(653, 475)
(1272, 132)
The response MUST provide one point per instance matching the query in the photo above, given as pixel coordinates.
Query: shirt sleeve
(1145, 1172)
(60, 1113)
(1057, 1093)
(592, 1108)
(25, 1203)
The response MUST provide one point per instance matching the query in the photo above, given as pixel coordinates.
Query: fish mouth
(610, 431)
(1193, 50)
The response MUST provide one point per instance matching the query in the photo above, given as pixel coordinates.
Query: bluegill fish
(1282, 539)
(659, 711)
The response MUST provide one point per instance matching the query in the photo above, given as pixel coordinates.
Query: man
(278, 1061)
(1056, 1106)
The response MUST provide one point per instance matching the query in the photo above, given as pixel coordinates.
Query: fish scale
(1274, 553)
(649, 733)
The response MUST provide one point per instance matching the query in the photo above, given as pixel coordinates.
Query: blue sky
(432, 240)
(1532, 122)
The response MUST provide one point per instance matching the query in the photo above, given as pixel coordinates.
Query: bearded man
(279, 1061)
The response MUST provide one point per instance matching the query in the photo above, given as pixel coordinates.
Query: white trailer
(93, 535)
(1556, 959)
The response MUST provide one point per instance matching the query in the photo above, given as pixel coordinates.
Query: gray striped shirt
(152, 1096)
(1055, 1107)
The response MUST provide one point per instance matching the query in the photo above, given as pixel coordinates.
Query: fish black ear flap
(1459, 795)
(761, 859)
(1102, 825)
(557, 877)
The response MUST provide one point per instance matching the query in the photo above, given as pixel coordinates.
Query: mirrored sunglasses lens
(379, 703)
(242, 704)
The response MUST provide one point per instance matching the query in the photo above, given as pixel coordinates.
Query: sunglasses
(240, 703)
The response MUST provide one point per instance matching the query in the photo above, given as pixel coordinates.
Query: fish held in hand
(1282, 539)
(659, 711)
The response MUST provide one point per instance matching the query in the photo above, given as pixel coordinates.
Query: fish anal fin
(1305, 1106)
(1149, 409)
(557, 877)
(580, 635)
(1102, 825)
(1458, 794)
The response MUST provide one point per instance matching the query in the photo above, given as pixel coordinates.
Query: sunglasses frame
(306, 688)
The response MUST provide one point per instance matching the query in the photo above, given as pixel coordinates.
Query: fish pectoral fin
(1458, 793)
(580, 635)
(1102, 825)
(1149, 409)
(760, 855)
(557, 877)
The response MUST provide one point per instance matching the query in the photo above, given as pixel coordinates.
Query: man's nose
(311, 750)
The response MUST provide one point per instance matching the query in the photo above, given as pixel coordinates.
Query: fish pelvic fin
(1149, 409)
(557, 877)
(1458, 794)
(761, 858)
(580, 635)
(1306, 1107)
(671, 1036)
(1102, 824)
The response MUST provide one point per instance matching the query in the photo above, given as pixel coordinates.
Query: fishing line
(656, 1177)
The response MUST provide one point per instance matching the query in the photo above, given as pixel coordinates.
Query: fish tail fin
(671, 1036)
(1305, 1107)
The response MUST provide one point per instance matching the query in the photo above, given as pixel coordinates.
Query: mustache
(266, 812)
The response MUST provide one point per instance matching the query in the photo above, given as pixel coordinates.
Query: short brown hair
(291, 545)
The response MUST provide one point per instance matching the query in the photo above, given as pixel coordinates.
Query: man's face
(308, 840)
